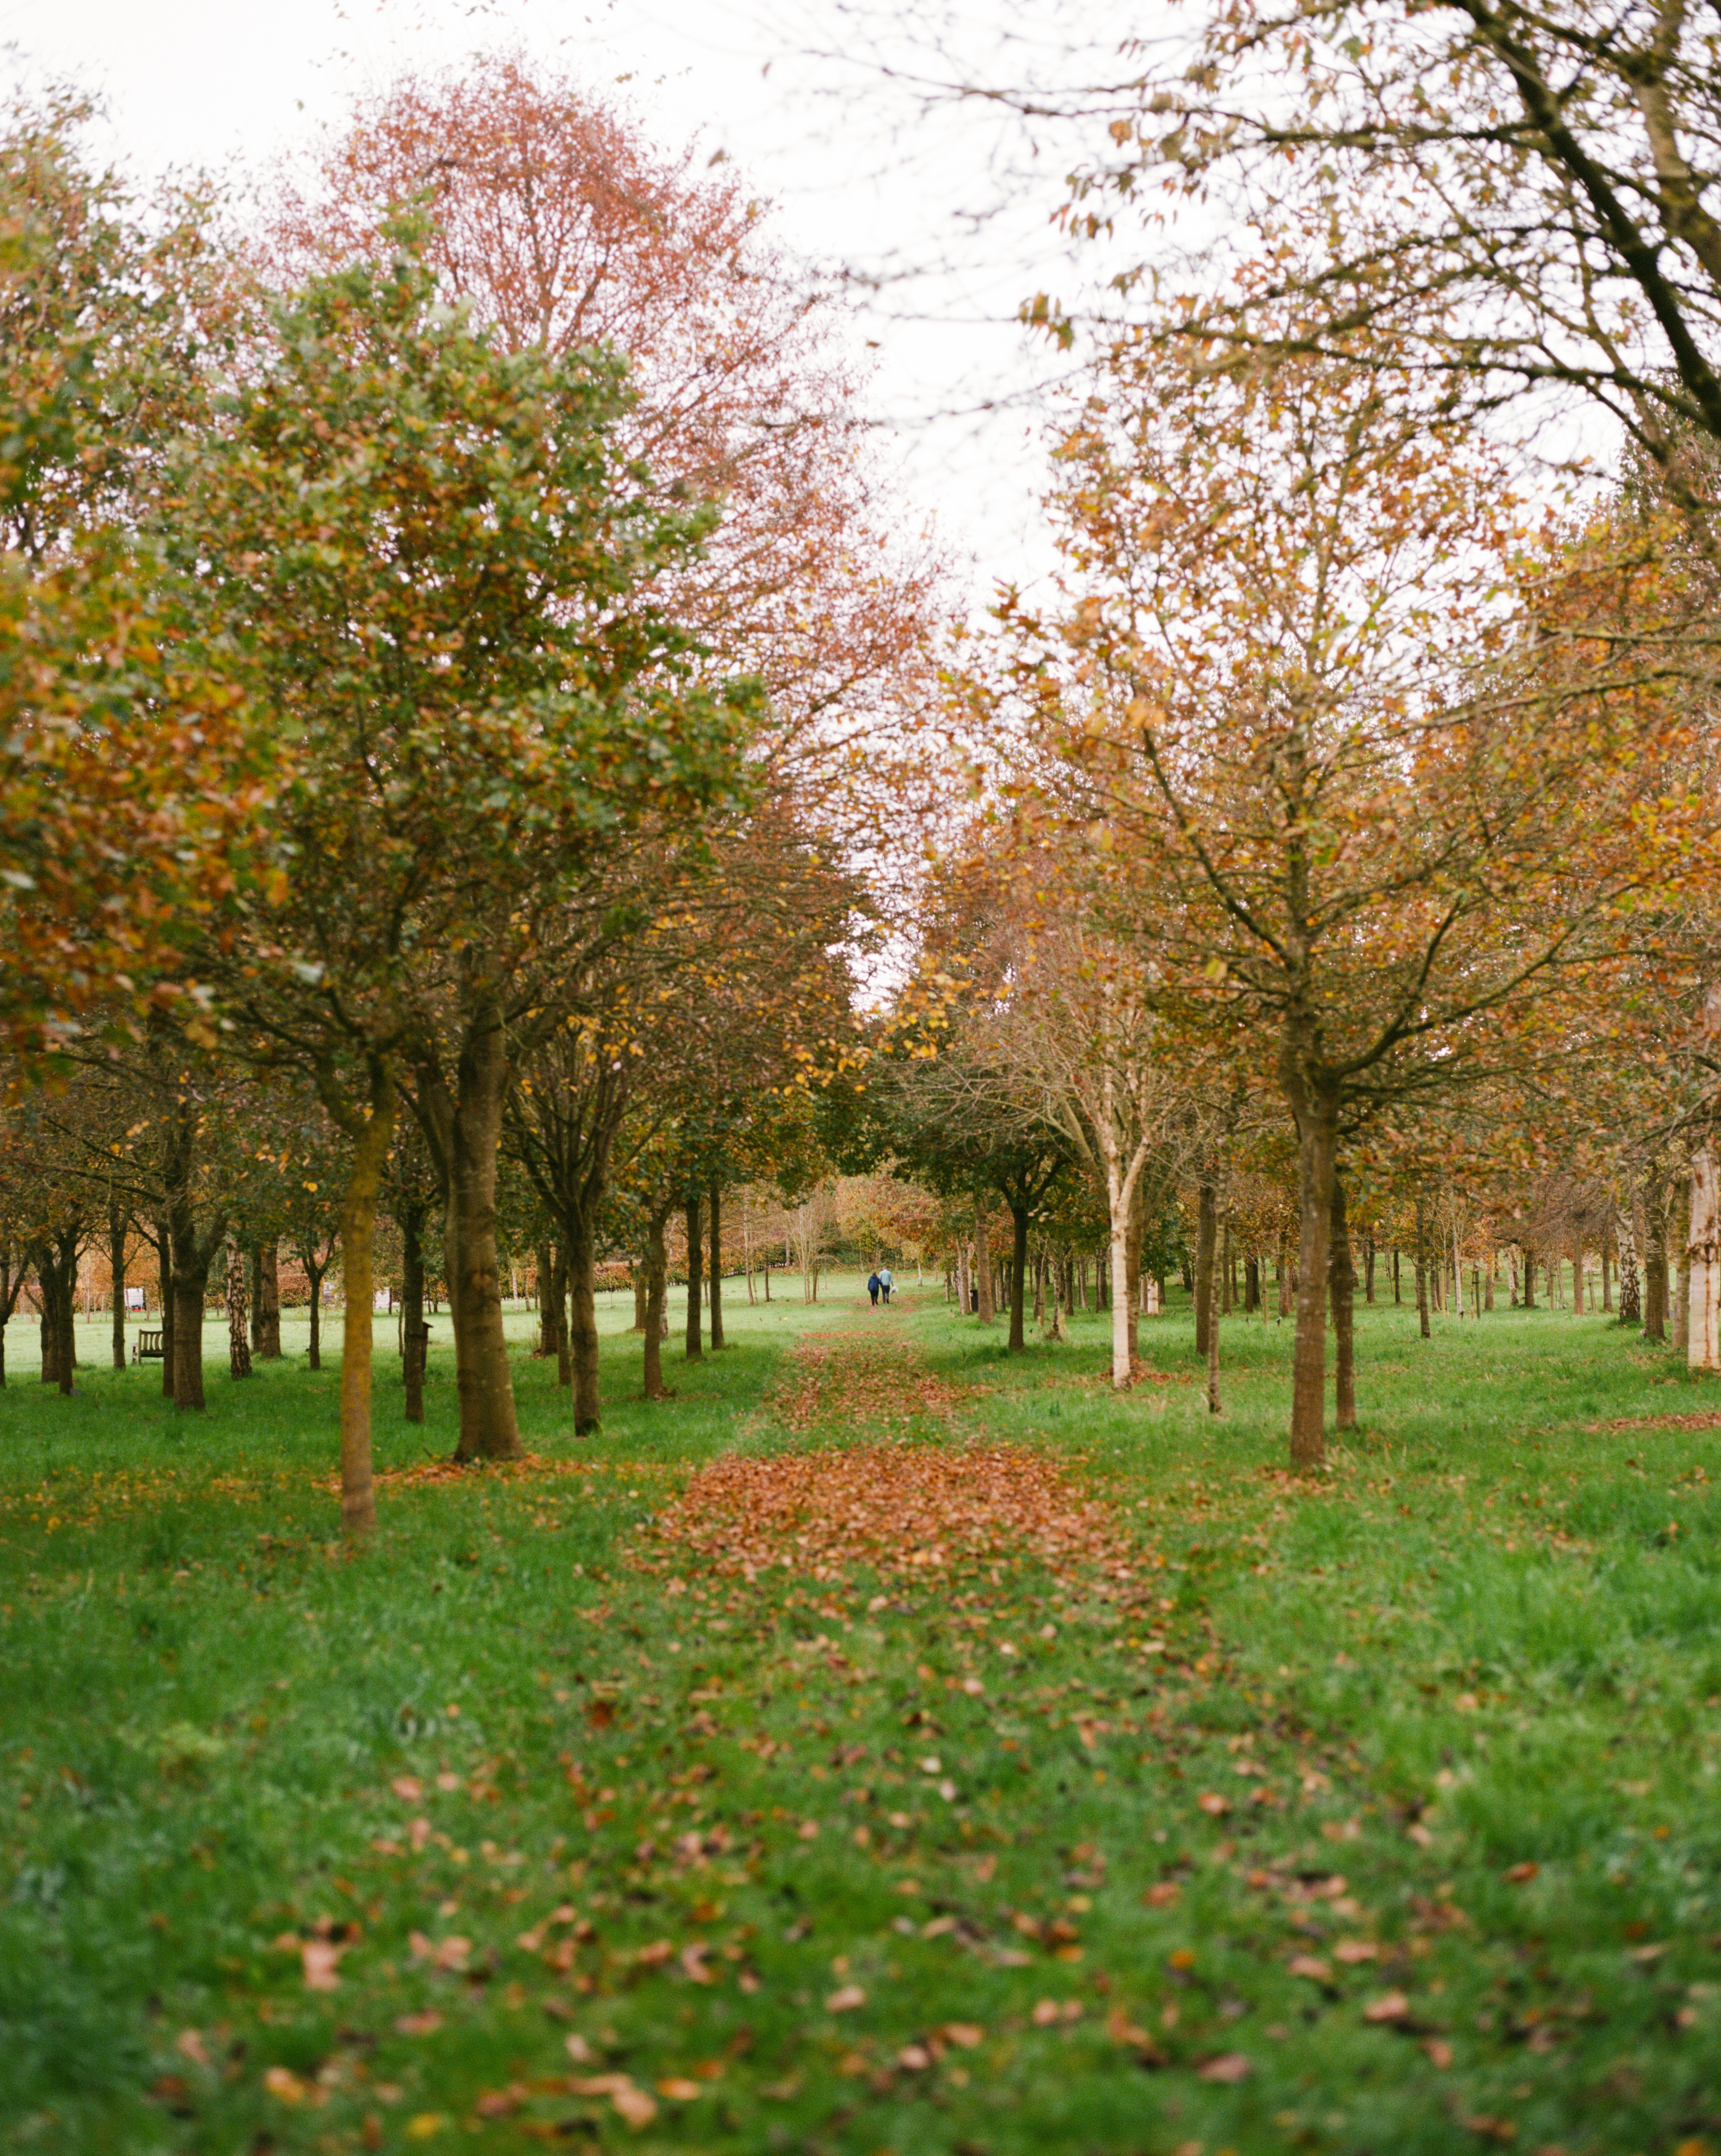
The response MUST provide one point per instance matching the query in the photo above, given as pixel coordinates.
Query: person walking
(884, 1281)
(873, 1284)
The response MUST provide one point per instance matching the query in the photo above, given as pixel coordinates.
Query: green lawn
(1374, 1815)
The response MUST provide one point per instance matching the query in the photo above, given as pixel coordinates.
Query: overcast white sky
(861, 171)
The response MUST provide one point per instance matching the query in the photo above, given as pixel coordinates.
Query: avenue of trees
(475, 738)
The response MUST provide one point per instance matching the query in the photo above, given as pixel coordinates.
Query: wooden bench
(147, 1348)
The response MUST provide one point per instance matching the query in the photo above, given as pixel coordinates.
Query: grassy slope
(1488, 1641)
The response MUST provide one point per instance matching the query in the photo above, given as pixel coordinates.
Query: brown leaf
(1311, 1966)
(1520, 1874)
(1211, 1802)
(1356, 1950)
(1163, 1895)
(1391, 2006)
(1229, 2067)
(845, 1998)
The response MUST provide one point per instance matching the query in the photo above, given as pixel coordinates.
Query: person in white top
(884, 1281)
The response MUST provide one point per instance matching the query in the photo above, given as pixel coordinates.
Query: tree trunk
(639, 1294)
(1205, 1249)
(1252, 1286)
(1215, 1292)
(1488, 1285)
(1679, 1234)
(1607, 1275)
(1317, 1145)
(1631, 1306)
(1577, 1278)
(581, 1263)
(1397, 1293)
(253, 1258)
(982, 1264)
(464, 1129)
(268, 1304)
(163, 1262)
(191, 1289)
(314, 1281)
(1368, 1263)
(1018, 1280)
(716, 1287)
(546, 1262)
(1226, 1297)
(117, 1224)
(1530, 1278)
(1655, 1299)
(415, 1333)
(1282, 1276)
(657, 1298)
(1702, 1339)
(696, 1253)
(1421, 1257)
(238, 1326)
(1342, 1285)
(370, 1142)
(559, 1276)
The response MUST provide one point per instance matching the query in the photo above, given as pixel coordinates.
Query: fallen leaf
(1214, 1805)
(1519, 1874)
(1356, 1950)
(845, 1998)
(964, 2034)
(189, 2044)
(1164, 1894)
(1647, 1954)
(579, 2051)
(284, 2085)
(419, 2024)
(656, 1954)
(321, 1960)
(1311, 1966)
(679, 2090)
(914, 2058)
(450, 1953)
(1229, 2067)
(407, 1788)
(634, 2106)
(1391, 2006)
(1437, 2052)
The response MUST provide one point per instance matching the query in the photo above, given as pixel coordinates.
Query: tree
(1342, 806)
(433, 557)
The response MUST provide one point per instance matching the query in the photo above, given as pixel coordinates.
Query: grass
(1375, 1814)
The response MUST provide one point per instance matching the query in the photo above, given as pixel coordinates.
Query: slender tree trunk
(1577, 1278)
(639, 1295)
(1342, 1285)
(1206, 1246)
(1679, 1235)
(415, 1332)
(1530, 1278)
(1368, 1261)
(117, 1225)
(1215, 1281)
(370, 1142)
(252, 1259)
(1606, 1275)
(694, 1254)
(765, 1276)
(464, 1130)
(1488, 1284)
(1282, 1276)
(238, 1324)
(657, 1298)
(1039, 1286)
(1317, 1146)
(716, 1288)
(268, 1304)
(582, 1324)
(1421, 1256)
(1252, 1286)
(546, 1300)
(1655, 1300)
(1703, 1338)
(1018, 1280)
(163, 1262)
(313, 1279)
(1397, 1293)
(1630, 1305)
(982, 1264)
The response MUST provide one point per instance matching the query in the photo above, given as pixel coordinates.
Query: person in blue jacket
(873, 1284)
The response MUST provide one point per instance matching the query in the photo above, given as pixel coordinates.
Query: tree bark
(163, 1262)
(1342, 1285)
(1607, 1275)
(1317, 1147)
(1577, 1278)
(415, 1333)
(314, 1276)
(1368, 1260)
(269, 1305)
(358, 1239)
(1421, 1257)
(716, 1287)
(982, 1264)
(465, 1132)
(696, 1253)
(657, 1296)
(1679, 1234)
(1530, 1278)
(238, 1324)
(1215, 1294)
(117, 1225)
(582, 1262)
(1397, 1292)
(1630, 1305)
(1655, 1299)
(546, 1300)
(1018, 1280)
(639, 1294)
(1702, 1339)
(190, 1290)
(1206, 1251)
